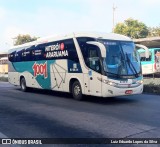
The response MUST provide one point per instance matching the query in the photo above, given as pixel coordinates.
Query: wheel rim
(77, 90)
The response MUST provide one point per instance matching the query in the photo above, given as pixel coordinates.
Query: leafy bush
(152, 88)
(4, 79)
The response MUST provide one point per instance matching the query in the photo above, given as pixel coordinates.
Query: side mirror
(145, 48)
(101, 47)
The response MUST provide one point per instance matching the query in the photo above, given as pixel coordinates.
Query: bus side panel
(30, 80)
(24, 69)
(77, 76)
(147, 63)
(147, 68)
(150, 65)
(13, 76)
(58, 72)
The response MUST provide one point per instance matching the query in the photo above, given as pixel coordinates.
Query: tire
(23, 85)
(77, 91)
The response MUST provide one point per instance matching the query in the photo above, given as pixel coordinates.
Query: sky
(43, 18)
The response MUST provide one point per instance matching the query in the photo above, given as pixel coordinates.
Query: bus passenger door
(94, 72)
(95, 85)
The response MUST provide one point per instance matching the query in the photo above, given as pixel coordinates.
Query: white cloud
(150, 2)
(10, 33)
(2, 13)
(93, 15)
(73, 16)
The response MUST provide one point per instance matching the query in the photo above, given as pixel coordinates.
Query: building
(3, 54)
(151, 42)
(153, 64)
(3, 63)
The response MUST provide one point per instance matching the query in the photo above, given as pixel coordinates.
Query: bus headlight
(139, 82)
(108, 82)
(112, 83)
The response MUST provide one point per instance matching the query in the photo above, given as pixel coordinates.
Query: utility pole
(114, 8)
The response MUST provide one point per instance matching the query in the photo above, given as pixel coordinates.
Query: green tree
(21, 39)
(132, 28)
(154, 31)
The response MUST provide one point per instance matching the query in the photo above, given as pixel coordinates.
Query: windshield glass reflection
(121, 58)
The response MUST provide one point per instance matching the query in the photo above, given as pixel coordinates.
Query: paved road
(48, 114)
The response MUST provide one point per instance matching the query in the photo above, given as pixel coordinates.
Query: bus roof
(109, 36)
(150, 49)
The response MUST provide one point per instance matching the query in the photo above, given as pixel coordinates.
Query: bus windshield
(143, 58)
(122, 60)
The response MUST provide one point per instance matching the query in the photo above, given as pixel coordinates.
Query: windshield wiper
(120, 76)
(113, 74)
(130, 63)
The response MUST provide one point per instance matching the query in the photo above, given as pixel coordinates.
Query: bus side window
(28, 53)
(11, 56)
(93, 60)
(19, 56)
(72, 53)
(143, 58)
(83, 46)
(149, 59)
(38, 53)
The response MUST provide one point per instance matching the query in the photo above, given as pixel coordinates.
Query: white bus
(150, 65)
(97, 64)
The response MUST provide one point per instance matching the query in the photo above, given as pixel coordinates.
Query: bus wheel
(23, 85)
(77, 91)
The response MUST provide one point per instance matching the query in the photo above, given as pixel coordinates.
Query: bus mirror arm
(101, 47)
(145, 48)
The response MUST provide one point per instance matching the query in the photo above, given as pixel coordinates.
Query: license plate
(128, 92)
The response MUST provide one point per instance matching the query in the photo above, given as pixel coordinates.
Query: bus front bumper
(111, 91)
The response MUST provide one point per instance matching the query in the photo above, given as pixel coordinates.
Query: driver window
(93, 61)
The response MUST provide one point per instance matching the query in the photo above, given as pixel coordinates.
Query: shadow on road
(88, 99)
(110, 100)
